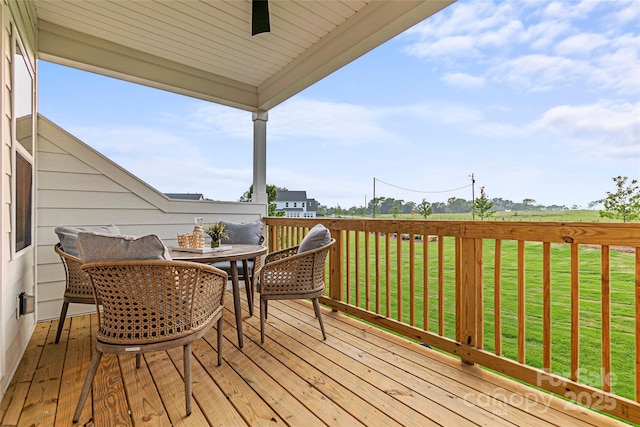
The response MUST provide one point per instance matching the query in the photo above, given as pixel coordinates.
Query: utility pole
(473, 197)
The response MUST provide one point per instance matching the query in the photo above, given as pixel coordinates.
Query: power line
(420, 191)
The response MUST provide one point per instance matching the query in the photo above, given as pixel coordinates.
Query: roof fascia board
(78, 50)
(358, 35)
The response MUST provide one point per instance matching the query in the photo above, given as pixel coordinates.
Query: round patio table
(236, 252)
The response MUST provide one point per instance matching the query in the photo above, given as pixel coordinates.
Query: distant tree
(425, 209)
(624, 204)
(458, 205)
(529, 202)
(439, 207)
(483, 206)
(395, 210)
(272, 195)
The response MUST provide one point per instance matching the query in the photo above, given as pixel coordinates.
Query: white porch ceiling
(204, 48)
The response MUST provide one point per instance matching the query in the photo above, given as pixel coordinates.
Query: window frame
(20, 154)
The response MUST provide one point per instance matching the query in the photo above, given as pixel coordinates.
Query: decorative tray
(201, 250)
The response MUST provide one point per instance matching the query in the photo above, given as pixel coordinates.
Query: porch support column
(260, 157)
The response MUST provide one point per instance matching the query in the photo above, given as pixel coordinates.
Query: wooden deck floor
(358, 376)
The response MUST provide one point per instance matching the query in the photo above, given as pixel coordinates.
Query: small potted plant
(217, 231)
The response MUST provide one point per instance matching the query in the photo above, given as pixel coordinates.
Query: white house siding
(16, 270)
(77, 186)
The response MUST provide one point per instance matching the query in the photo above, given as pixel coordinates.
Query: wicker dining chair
(78, 287)
(287, 274)
(153, 305)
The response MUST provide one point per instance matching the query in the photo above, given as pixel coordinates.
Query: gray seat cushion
(317, 237)
(226, 266)
(69, 235)
(248, 233)
(106, 247)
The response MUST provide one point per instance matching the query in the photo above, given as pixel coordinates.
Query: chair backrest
(78, 286)
(149, 301)
(249, 233)
(318, 263)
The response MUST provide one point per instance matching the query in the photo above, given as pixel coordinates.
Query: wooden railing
(556, 305)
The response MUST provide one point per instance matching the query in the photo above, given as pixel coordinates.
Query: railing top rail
(619, 234)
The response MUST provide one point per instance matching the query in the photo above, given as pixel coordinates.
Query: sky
(536, 99)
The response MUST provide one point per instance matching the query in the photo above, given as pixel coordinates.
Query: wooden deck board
(358, 376)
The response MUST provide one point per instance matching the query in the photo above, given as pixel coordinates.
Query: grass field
(623, 331)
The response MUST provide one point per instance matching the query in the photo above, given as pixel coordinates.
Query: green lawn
(622, 303)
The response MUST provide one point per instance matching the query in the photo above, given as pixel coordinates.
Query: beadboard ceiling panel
(204, 48)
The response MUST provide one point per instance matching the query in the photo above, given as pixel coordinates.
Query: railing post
(466, 300)
(336, 273)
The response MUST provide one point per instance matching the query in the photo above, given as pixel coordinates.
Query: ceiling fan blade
(260, 17)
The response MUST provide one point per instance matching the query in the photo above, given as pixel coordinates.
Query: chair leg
(186, 356)
(316, 307)
(263, 316)
(93, 368)
(220, 322)
(63, 315)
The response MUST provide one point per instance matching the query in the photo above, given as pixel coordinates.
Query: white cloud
(462, 80)
(229, 121)
(455, 46)
(573, 10)
(543, 35)
(580, 44)
(538, 72)
(532, 46)
(629, 13)
(600, 131)
(332, 123)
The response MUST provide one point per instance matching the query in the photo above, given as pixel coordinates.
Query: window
(23, 151)
(23, 202)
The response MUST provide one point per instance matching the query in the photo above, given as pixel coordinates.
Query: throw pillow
(317, 236)
(248, 233)
(69, 235)
(103, 247)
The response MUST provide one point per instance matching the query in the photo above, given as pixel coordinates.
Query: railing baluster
(398, 276)
(466, 295)
(497, 297)
(347, 258)
(546, 306)
(637, 323)
(479, 296)
(377, 239)
(521, 302)
(357, 266)
(441, 285)
(387, 269)
(412, 280)
(606, 317)
(367, 272)
(425, 282)
(337, 270)
(575, 311)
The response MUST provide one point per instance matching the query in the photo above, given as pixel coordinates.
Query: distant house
(295, 204)
(185, 196)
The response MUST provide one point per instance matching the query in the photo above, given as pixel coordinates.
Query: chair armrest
(282, 253)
